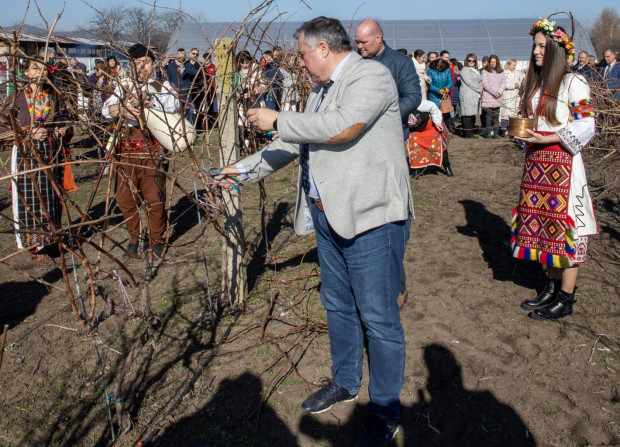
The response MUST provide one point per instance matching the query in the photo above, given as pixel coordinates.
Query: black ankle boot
(448, 171)
(552, 287)
(561, 307)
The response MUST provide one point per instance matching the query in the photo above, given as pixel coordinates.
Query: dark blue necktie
(304, 149)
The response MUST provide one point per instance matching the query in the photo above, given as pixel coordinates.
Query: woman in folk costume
(555, 213)
(428, 139)
(36, 194)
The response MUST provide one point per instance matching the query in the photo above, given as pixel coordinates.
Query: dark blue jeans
(490, 121)
(360, 282)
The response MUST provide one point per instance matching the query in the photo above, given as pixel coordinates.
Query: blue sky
(77, 12)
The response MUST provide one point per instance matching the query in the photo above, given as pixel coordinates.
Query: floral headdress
(555, 33)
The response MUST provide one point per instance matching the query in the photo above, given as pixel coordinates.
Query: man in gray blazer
(353, 191)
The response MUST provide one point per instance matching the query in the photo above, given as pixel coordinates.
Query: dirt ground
(479, 372)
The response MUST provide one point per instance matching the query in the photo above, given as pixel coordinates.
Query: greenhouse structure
(507, 38)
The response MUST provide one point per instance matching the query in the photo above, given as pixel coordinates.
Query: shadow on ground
(78, 411)
(493, 234)
(451, 416)
(18, 300)
(235, 415)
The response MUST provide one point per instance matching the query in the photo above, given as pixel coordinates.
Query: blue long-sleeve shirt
(183, 86)
(407, 82)
(611, 79)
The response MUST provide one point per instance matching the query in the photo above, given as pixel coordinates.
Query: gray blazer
(363, 182)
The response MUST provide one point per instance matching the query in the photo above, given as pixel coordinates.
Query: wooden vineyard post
(234, 284)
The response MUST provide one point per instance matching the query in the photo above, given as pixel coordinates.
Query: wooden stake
(6, 328)
(233, 248)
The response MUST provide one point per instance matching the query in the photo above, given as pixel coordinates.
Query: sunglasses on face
(470, 60)
(194, 54)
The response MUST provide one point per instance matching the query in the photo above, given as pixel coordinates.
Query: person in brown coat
(140, 175)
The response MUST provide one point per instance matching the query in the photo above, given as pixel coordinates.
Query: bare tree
(167, 23)
(605, 32)
(107, 24)
(136, 24)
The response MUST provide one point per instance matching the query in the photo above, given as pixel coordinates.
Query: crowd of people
(490, 94)
(275, 82)
(193, 78)
(475, 99)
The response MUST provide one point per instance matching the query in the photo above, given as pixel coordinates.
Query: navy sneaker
(158, 250)
(379, 432)
(132, 251)
(323, 399)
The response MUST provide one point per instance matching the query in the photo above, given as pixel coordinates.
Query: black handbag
(418, 120)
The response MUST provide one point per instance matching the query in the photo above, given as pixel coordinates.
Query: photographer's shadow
(455, 417)
(19, 299)
(451, 416)
(236, 415)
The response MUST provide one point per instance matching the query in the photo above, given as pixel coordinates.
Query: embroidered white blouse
(166, 101)
(574, 133)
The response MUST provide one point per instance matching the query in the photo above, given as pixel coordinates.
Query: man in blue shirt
(355, 195)
(181, 72)
(611, 74)
(583, 67)
(273, 95)
(370, 45)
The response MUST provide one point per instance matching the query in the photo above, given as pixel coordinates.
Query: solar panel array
(507, 38)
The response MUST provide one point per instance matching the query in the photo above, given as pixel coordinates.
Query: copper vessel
(517, 127)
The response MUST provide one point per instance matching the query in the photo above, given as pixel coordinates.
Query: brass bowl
(517, 127)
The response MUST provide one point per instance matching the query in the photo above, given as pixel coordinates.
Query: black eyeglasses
(194, 54)
(470, 60)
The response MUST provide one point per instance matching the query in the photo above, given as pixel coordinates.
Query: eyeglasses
(470, 60)
(194, 54)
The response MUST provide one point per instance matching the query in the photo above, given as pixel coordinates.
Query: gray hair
(328, 30)
(50, 53)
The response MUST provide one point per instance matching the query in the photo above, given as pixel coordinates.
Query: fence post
(234, 284)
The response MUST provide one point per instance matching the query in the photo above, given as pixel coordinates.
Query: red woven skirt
(426, 147)
(542, 230)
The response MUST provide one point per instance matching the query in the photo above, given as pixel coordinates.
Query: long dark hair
(550, 75)
(245, 56)
(439, 64)
(498, 67)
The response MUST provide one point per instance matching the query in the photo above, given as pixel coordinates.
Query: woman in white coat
(512, 102)
(419, 62)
